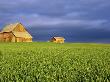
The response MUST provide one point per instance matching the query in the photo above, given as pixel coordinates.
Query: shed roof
(59, 38)
(22, 34)
(10, 27)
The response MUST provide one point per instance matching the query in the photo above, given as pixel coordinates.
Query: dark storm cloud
(26, 11)
(87, 18)
(72, 34)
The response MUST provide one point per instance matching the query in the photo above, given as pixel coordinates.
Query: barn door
(19, 39)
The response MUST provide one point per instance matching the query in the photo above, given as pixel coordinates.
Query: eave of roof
(59, 38)
(22, 34)
(10, 27)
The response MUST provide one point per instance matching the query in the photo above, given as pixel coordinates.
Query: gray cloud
(42, 20)
(52, 12)
(51, 6)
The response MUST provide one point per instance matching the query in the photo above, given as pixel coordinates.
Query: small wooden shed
(15, 33)
(57, 39)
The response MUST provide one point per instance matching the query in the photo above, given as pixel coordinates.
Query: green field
(50, 62)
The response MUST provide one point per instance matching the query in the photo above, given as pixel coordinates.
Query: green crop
(50, 62)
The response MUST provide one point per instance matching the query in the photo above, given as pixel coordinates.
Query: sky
(76, 20)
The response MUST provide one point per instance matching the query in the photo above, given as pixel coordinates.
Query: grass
(50, 62)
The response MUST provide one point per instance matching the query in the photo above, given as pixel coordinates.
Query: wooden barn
(57, 40)
(15, 33)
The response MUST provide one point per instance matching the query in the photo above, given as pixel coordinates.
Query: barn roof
(59, 38)
(22, 34)
(10, 27)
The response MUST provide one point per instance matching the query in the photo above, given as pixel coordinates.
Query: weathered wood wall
(8, 37)
(1, 37)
